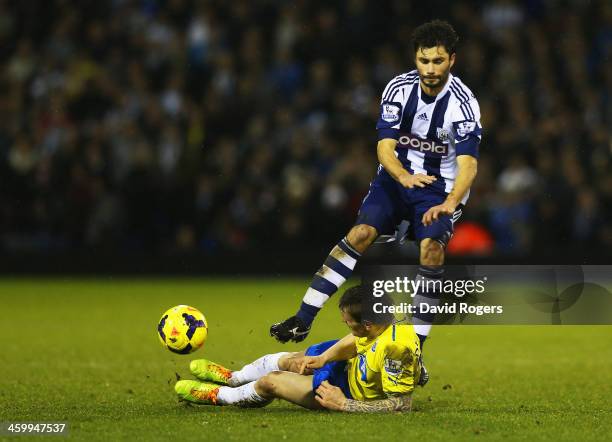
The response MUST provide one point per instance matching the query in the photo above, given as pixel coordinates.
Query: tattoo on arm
(397, 403)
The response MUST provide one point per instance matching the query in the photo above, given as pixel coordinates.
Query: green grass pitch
(86, 351)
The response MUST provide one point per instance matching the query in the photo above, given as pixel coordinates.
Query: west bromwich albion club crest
(442, 134)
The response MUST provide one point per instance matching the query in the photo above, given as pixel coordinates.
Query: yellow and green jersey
(387, 365)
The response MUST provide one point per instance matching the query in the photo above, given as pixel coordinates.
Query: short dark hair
(435, 33)
(355, 298)
(351, 301)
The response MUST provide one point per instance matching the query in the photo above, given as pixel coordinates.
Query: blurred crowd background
(215, 126)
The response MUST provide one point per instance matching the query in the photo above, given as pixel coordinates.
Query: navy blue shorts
(332, 372)
(388, 203)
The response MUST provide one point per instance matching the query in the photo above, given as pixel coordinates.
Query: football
(182, 329)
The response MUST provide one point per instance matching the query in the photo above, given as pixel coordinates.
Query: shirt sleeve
(390, 114)
(467, 128)
(398, 369)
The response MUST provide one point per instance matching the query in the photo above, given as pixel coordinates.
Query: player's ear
(452, 59)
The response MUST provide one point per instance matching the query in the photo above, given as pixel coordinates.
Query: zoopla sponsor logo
(422, 145)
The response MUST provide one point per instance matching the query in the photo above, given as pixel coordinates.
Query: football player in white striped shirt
(429, 133)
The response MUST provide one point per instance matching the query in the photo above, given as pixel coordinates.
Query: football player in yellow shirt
(374, 369)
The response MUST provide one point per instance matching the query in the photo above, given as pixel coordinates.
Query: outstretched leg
(258, 368)
(336, 269)
(206, 370)
(208, 393)
(292, 387)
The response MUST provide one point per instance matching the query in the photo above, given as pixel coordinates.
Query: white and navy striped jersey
(431, 131)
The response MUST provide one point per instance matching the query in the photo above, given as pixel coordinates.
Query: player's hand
(292, 329)
(330, 397)
(310, 363)
(418, 180)
(434, 213)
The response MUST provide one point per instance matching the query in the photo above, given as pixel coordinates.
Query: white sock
(244, 396)
(256, 369)
(422, 329)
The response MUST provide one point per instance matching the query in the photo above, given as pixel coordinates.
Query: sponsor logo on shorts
(423, 145)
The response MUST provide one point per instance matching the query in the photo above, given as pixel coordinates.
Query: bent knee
(268, 384)
(432, 252)
(291, 361)
(361, 236)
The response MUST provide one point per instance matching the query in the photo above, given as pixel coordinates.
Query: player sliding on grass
(429, 132)
(373, 369)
